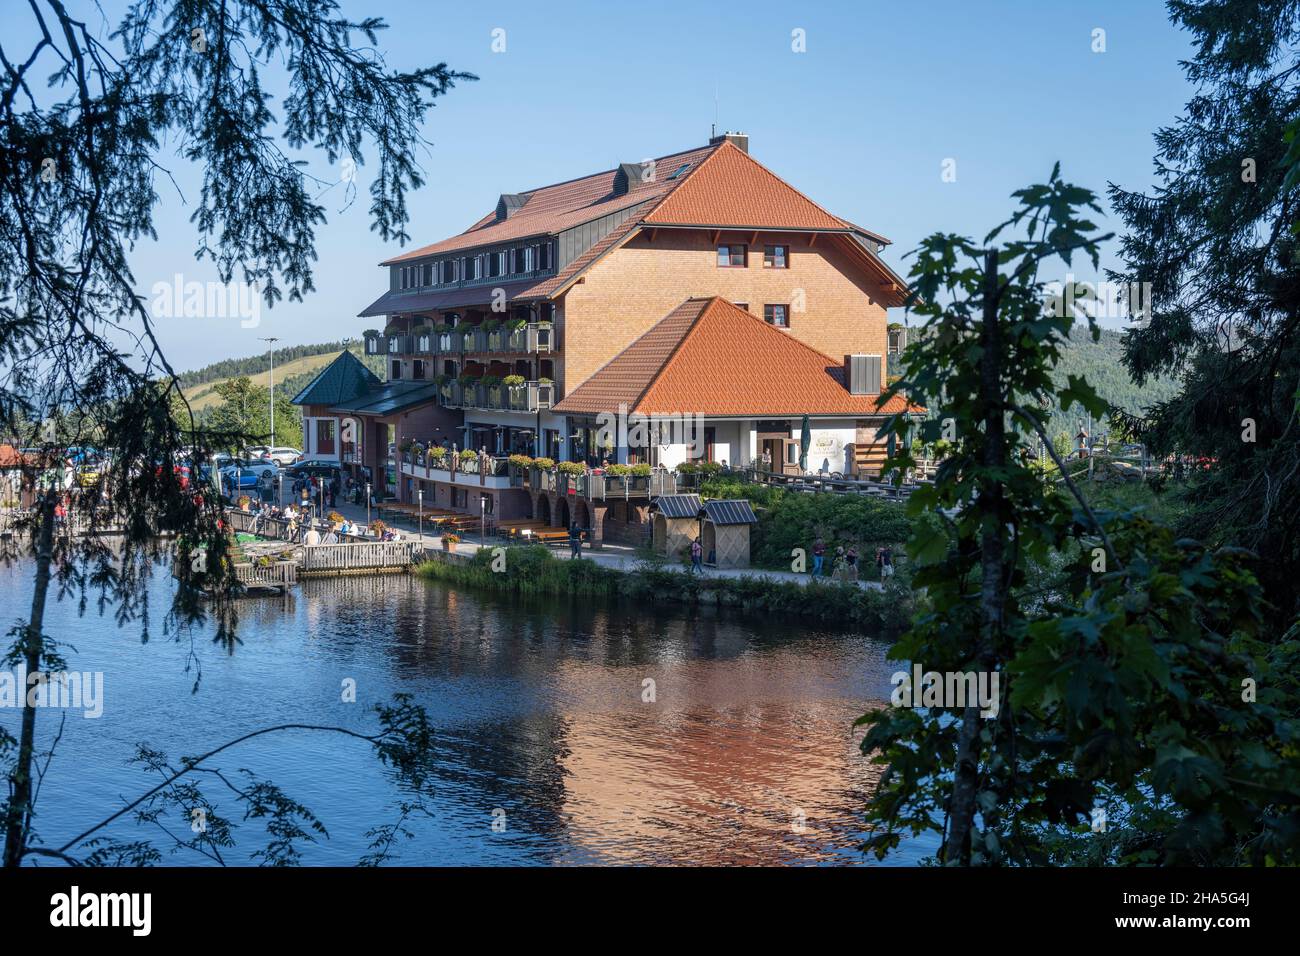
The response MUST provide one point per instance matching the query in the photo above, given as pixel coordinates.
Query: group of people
(844, 565)
(310, 491)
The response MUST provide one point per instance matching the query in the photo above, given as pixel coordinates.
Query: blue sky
(861, 121)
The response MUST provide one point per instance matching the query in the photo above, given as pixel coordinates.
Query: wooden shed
(724, 532)
(675, 523)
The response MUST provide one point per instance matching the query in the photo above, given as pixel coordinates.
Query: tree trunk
(957, 848)
(18, 821)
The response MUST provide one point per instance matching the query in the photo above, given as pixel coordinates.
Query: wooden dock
(358, 557)
(351, 555)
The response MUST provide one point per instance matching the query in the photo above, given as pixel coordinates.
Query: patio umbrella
(805, 439)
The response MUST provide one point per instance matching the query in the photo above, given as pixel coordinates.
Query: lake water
(746, 756)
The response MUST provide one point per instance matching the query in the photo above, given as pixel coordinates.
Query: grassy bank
(533, 570)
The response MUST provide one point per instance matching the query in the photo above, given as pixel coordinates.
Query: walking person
(697, 553)
(819, 556)
(575, 540)
(851, 562)
(886, 562)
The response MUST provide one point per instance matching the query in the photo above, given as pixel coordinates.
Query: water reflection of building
(540, 711)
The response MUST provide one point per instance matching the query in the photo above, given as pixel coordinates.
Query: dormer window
(509, 204)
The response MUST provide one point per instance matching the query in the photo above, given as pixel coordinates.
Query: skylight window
(680, 169)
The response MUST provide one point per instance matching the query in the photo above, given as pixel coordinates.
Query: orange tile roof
(552, 209)
(710, 357)
(731, 188)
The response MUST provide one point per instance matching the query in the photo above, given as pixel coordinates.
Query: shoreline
(535, 570)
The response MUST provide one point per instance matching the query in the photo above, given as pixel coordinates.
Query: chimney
(737, 139)
(862, 374)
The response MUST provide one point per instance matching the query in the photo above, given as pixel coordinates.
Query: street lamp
(367, 506)
(482, 520)
(419, 496)
(271, 340)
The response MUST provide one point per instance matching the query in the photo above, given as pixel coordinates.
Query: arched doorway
(544, 508)
(562, 512)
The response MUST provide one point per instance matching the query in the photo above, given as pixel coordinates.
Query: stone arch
(562, 517)
(542, 508)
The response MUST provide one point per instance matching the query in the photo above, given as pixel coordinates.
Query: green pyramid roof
(343, 380)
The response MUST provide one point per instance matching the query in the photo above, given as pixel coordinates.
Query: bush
(513, 381)
(571, 467)
(789, 520)
(521, 461)
(546, 464)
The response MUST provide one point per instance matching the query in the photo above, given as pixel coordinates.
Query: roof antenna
(713, 130)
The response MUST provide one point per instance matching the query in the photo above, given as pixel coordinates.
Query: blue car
(245, 476)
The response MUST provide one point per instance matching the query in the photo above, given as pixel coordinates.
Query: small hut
(724, 532)
(675, 524)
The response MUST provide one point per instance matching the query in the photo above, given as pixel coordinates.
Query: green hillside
(294, 368)
(1101, 364)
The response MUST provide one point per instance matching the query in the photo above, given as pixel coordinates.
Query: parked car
(313, 469)
(284, 456)
(255, 452)
(241, 475)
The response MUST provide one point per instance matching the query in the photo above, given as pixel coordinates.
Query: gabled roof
(344, 379)
(677, 506)
(718, 186)
(726, 511)
(733, 189)
(552, 209)
(710, 357)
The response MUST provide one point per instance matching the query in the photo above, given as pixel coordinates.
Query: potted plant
(377, 528)
(244, 502)
(522, 461)
(571, 467)
(449, 541)
(544, 464)
(513, 381)
(436, 457)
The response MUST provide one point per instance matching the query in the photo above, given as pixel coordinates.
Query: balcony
(595, 487)
(489, 472)
(535, 337)
(528, 397)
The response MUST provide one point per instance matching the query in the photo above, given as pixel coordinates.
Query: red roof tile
(731, 188)
(710, 357)
(552, 209)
